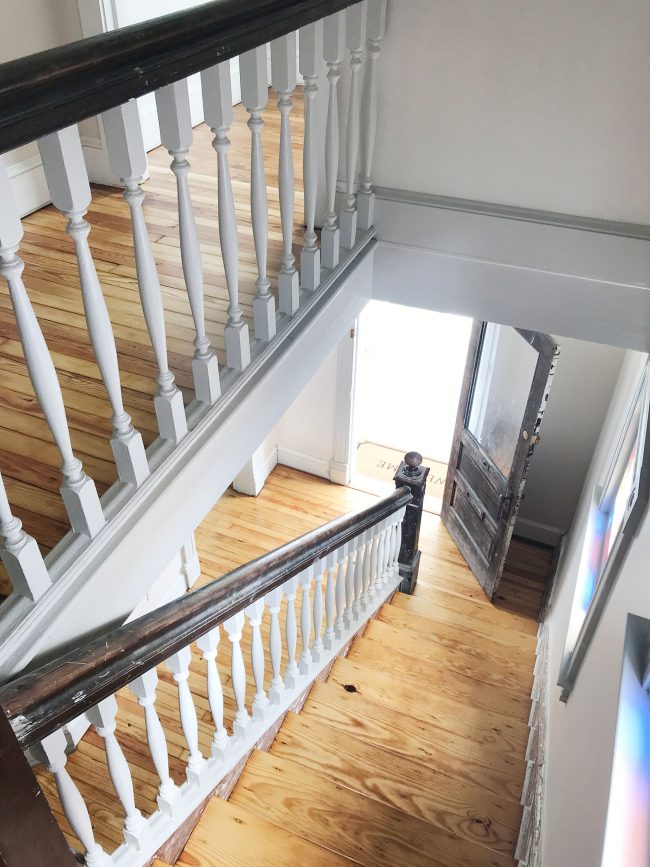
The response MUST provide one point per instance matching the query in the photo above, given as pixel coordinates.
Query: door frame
(547, 354)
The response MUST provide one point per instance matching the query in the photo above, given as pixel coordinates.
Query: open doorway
(408, 382)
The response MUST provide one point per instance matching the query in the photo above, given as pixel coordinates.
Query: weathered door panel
(506, 385)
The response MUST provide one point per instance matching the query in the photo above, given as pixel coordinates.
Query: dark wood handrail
(52, 695)
(50, 90)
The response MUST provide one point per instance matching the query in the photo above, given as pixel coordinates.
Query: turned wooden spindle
(129, 162)
(173, 104)
(355, 36)
(376, 30)
(284, 73)
(333, 50)
(77, 490)
(217, 105)
(255, 92)
(67, 178)
(311, 52)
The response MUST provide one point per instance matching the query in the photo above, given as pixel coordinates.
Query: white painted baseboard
(304, 463)
(28, 184)
(545, 534)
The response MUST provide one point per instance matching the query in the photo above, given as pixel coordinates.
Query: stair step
(410, 695)
(490, 663)
(483, 620)
(159, 863)
(230, 835)
(384, 642)
(448, 803)
(465, 757)
(461, 638)
(361, 828)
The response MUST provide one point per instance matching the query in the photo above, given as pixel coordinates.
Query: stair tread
(230, 835)
(461, 638)
(491, 663)
(436, 679)
(404, 691)
(481, 763)
(447, 802)
(361, 828)
(483, 620)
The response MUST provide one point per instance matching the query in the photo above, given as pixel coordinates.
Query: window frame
(608, 568)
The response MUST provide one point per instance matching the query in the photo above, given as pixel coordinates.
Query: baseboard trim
(305, 463)
(28, 184)
(545, 534)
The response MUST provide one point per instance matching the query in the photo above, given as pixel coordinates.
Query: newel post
(411, 474)
(27, 825)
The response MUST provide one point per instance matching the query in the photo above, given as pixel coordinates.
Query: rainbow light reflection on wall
(627, 832)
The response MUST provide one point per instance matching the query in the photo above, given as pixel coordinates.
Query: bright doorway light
(409, 373)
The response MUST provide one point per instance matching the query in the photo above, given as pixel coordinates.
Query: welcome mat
(378, 464)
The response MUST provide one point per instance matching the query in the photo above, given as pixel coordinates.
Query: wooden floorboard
(438, 687)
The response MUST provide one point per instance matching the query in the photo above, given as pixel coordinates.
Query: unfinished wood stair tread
(351, 713)
(348, 822)
(450, 803)
(436, 679)
(436, 607)
(458, 642)
(229, 835)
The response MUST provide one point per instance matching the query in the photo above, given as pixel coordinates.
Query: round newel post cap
(412, 461)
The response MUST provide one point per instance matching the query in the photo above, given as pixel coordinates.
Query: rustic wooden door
(505, 389)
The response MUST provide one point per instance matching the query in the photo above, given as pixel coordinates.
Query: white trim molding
(536, 531)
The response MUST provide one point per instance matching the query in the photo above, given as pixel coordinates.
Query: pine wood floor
(29, 460)
(413, 750)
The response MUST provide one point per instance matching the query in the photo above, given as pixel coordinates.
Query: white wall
(577, 406)
(580, 735)
(538, 103)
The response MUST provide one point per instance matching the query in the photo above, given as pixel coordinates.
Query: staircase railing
(342, 572)
(45, 96)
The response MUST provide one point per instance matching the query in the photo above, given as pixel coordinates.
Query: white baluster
(234, 626)
(333, 49)
(317, 644)
(291, 633)
(381, 550)
(360, 598)
(67, 178)
(398, 542)
(208, 644)
(179, 665)
(144, 689)
(311, 52)
(368, 557)
(20, 554)
(305, 662)
(255, 614)
(51, 753)
(78, 490)
(344, 551)
(392, 565)
(255, 93)
(217, 106)
(364, 556)
(349, 591)
(374, 561)
(173, 104)
(283, 75)
(274, 601)
(355, 34)
(102, 717)
(330, 600)
(129, 162)
(376, 30)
